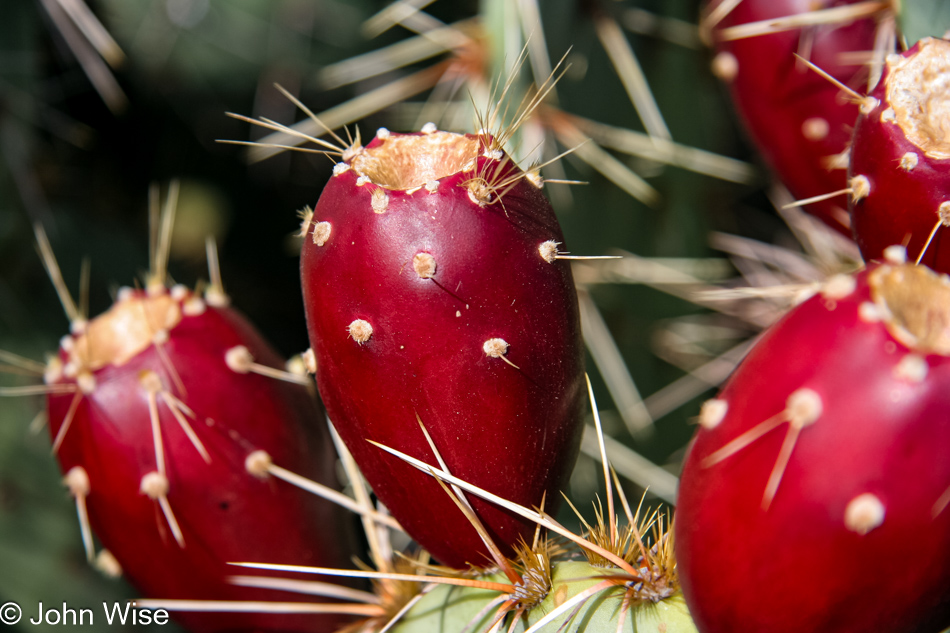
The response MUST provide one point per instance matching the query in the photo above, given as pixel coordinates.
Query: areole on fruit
(438, 305)
(901, 150)
(822, 454)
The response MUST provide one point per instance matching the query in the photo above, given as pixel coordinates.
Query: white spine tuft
(815, 128)
(869, 312)
(54, 370)
(943, 212)
(860, 187)
(868, 104)
(150, 381)
(838, 287)
(803, 407)
(108, 565)
(534, 177)
(77, 480)
(360, 331)
(306, 216)
(424, 264)
(309, 360)
(86, 382)
(258, 463)
(712, 413)
(321, 233)
(379, 201)
(864, 513)
(154, 485)
(912, 368)
(896, 254)
(548, 251)
(193, 307)
(296, 365)
(238, 359)
(216, 297)
(495, 347)
(179, 292)
(725, 66)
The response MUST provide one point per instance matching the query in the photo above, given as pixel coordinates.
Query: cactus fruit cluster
(824, 453)
(446, 345)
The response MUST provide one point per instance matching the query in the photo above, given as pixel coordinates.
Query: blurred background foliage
(79, 154)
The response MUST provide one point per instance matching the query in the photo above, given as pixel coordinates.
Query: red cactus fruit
(900, 158)
(799, 121)
(168, 431)
(433, 290)
(814, 495)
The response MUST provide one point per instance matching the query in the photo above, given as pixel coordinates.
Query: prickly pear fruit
(799, 121)
(814, 495)
(900, 158)
(166, 433)
(433, 291)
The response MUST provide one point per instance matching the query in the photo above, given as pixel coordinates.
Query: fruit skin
(799, 121)
(512, 431)
(225, 513)
(908, 176)
(883, 429)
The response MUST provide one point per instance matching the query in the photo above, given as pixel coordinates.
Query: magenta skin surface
(225, 513)
(902, 206)
(775, 94)
(512, 431)
(796, 566)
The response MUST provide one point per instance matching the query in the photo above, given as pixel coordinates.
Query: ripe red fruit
(433, 290)
(799, 121)
(166, 436)
(900, 158)
(814, 495)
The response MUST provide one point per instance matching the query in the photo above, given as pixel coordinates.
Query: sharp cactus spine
(822, 463)
(427, 296)
(900, 158)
